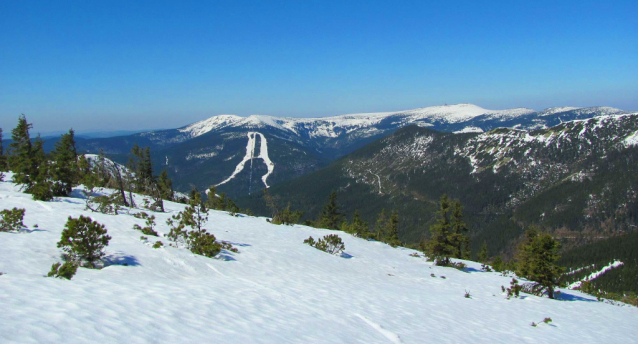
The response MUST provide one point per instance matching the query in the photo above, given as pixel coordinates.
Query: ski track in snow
(250, 151)
(391, 336)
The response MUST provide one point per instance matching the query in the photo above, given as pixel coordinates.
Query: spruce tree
(3, 158)
(41, 187)
(483, 255)
(165, 186)
(537, 257)
(140, 164)
(214, 202)
(441, 246)
(65, 165)
(330, 217)
(358, 226)
(379, 226)
(21, 154)
(460, 240)
(392, 229)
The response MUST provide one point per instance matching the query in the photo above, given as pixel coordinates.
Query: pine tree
(21, 155)
(193, 216)
(65, 165)
(441, 247)
(537, 257)
(84, 239)
(460, 240)
(3, 158)
(330, 217)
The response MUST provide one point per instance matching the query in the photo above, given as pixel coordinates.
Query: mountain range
(211, 151)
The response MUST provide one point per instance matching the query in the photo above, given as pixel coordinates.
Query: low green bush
(331, 243)
(11, 220)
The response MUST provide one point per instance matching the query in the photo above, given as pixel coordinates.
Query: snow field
(276, 290)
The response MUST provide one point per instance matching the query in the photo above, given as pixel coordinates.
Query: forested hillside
(576, 180)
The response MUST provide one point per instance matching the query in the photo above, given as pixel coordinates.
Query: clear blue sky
(106, 65)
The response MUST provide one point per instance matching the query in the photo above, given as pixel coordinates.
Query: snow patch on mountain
(263, 154)
(554, 110)
(250, 155)
(250, 151)
(469, 130)
(631, 140)
(596, 274)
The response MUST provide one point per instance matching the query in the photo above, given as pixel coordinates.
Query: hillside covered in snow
(274, 290)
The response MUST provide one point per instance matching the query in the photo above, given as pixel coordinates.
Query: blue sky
(107, 65)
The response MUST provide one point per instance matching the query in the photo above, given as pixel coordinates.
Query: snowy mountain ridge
(336, 125)
(274, 290)
(208, 152)
(330, 126)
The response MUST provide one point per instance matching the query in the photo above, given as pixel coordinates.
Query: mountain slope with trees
(207, 152)
(576, 181)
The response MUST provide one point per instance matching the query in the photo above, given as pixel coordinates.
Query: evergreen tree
(330, 217)
(392, 229)
(41, 187)
(140, 164)
(483, 254)
(460, 240)
(358, 226)
(21, 154)
(65, 165)
(3, 158)
(84, 239)
(441, 246)
(379, 226)
(537, 257)
(165, 186)
(222, 201)
(498, 264)
(214, 202)
(84, 168)
(194, 216)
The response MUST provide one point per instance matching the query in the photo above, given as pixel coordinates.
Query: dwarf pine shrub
(11, 220)
(514, 289)
(66, 270)
(150, 224)
(330, 243)
(84, 240)
(104, 204)
(203, 243)
(158, 244)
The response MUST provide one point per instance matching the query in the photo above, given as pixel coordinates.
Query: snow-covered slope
(275, 290)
